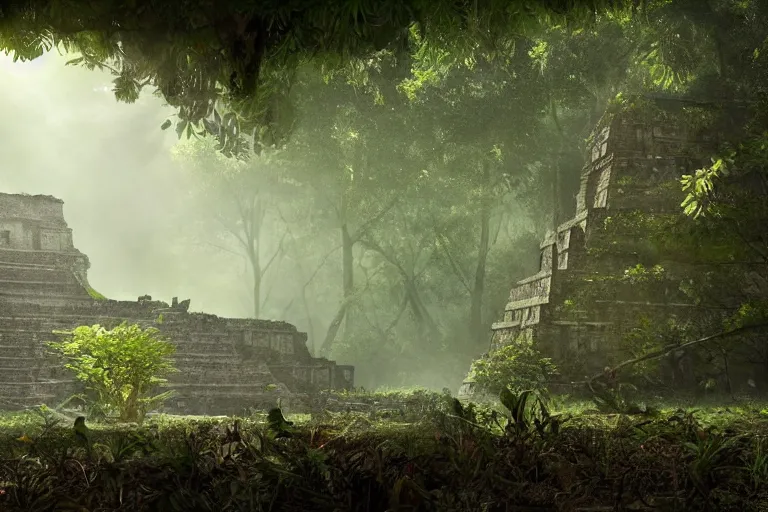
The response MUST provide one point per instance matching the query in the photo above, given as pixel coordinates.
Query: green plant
(619, 399)
(527, 411)
(757, 464)
(708, 456)
(518, 366)
(120, 367)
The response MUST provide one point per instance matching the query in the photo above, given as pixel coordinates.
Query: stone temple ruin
(225, 365)
(569, 309)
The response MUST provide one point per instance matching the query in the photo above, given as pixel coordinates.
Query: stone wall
(225, 365)
(33, 223)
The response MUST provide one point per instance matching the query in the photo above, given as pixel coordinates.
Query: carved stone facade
(634, 163)
(225, 365)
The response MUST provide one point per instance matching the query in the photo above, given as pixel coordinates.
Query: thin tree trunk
(333, 329)
(556, 178)
(256, 296)
(347, 262)
(728, 383)
(255, 260)
(348, 285)
(478, 289)
(348, 272)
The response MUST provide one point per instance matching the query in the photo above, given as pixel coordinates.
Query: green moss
(95, 295)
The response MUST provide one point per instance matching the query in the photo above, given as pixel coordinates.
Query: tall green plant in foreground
(121, 367)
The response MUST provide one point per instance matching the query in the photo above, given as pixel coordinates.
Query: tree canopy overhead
(200, 54)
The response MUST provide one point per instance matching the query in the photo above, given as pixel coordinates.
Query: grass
(418, 451)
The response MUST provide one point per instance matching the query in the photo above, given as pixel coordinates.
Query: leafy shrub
(120, 367)
(518, 366)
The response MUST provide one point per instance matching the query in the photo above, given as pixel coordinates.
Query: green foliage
(244, 57)
(452, 462)
(121, 368)
(640, 274)
(650, 335)
(525, 416)
(700, 186)
(518, 366)
(277, 423)
(620, 399)
(749, 314)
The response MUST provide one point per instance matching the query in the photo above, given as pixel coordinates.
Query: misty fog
(112, 165)
(144, 207)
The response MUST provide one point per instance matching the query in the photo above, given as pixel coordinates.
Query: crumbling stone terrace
(225, 365)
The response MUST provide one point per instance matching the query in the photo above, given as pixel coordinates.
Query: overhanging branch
(671, 348)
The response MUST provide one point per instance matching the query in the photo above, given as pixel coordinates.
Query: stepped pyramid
(225, 365)
(577, 308)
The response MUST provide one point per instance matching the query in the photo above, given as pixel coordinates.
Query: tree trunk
(728, 383)
(477, 332)
(426, 324)
(348, 272)
(333, 329)
(347, 282)
(556, 194)
(255, 260)
(256, 295)
(556, 185)
(252, 218)
(130, 412)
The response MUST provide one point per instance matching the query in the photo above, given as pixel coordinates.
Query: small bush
(120, 367)
(518, 366)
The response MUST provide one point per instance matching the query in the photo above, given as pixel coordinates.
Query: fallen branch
(668, 349)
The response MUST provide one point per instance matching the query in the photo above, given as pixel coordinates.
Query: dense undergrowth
(433, 454)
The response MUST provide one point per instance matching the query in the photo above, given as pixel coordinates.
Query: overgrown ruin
(581, 305)
(225, 365)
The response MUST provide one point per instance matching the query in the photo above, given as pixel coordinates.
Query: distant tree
(121, 367)
(238, 207)
(351, 151)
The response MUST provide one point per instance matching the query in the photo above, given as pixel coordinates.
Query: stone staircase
(224, 365)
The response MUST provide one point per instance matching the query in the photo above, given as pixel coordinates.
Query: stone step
(23, 339)
(33, 388)
(42, 288)
(9, 264)
(192, 387)
(35, 273)
(24, 331)
(29, 373)
(212, 358)
(7, 361)
(47, 258)
(16, 402)
(240, 373)
(45, 325)
(214, 378)
(19, 350)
